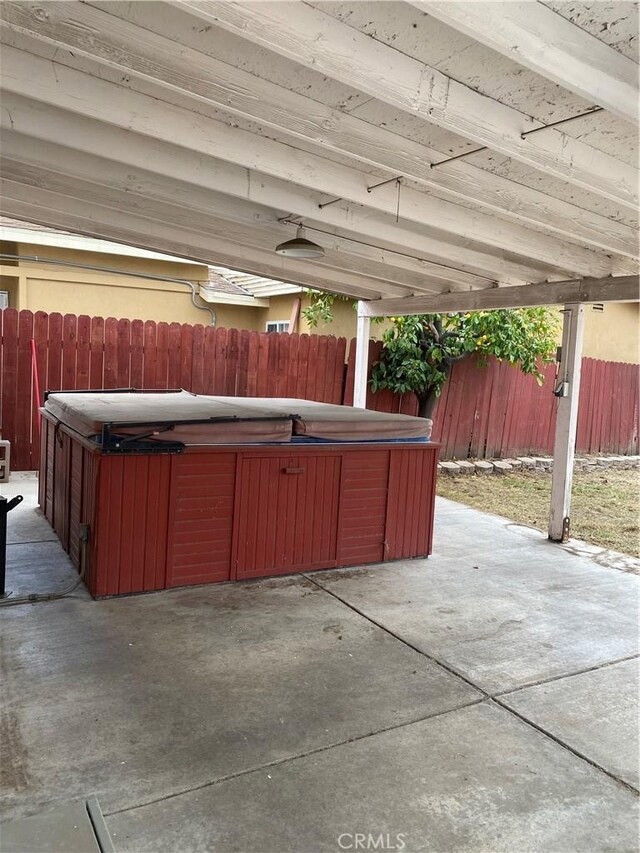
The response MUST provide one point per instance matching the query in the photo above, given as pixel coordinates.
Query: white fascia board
(216, 297)
(275, 289)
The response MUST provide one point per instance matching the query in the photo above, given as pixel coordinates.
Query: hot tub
(148, 491)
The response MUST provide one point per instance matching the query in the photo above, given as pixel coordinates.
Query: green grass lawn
(605, 505)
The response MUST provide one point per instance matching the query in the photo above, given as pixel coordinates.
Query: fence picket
(123, 354)
(149, 355)
(231, 363)
(173, 355)
(9, 373)
(197, 360)
(110, 353)
(252, 365)
(219, 362)
(83, 352)
(96, 368)
(303, 365)
(40, 337)
(162, 356)
(24, 398)
(137, 350)
(69, 351)
(186, 354)
(209, 358)
(243, 363)
(262, 379)
(54, 358)
(312, 367)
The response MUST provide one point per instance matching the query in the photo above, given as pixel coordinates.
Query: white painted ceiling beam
(69, 89)
(167, 238)
(616, 289)
(38, 163)
(33, 161)
(210, 213)
(196, 173)
(316, 40)
(100, 219)
(324, 177)
(535, 36)
(138, 36)
(228, 212)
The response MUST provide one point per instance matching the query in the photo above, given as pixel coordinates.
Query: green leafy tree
(319, 311)
(420, 350)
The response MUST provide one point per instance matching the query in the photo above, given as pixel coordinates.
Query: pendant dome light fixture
(299, 247)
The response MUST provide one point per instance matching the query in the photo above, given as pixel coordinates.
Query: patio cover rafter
(542, 40)
(133, 117)
(315, 39)
(84, 216)
(149, 53)
(61, 86)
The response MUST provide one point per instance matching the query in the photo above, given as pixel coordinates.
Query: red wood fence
(496, 410)
(91, 352)
(492, 411)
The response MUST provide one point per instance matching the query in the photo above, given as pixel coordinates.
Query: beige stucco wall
(137, 299)
(613, 334)
(240, 317)
(343, 324)
(279, 310)
(69, 289)
(128, 263)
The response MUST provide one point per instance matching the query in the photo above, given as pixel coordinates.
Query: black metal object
(590, 112)
(327, 203)
(5, 508)
(398, 178)
(523, 135)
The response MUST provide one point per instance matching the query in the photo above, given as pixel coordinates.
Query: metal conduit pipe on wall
(183, 281)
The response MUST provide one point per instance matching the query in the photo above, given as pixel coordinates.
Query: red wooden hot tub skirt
(137, 523)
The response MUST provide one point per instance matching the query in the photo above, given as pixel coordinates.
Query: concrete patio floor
(484, 699)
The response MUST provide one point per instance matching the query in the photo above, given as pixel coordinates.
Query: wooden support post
(567, 421)
(362, 359)
(295, 316)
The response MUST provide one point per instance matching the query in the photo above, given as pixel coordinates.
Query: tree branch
(452, 359)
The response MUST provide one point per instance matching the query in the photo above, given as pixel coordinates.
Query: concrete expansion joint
(289, 758)
(499, 700)
(565, 675)
(495, 698)
(564, 745)
(400, 639)
(537, 464)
